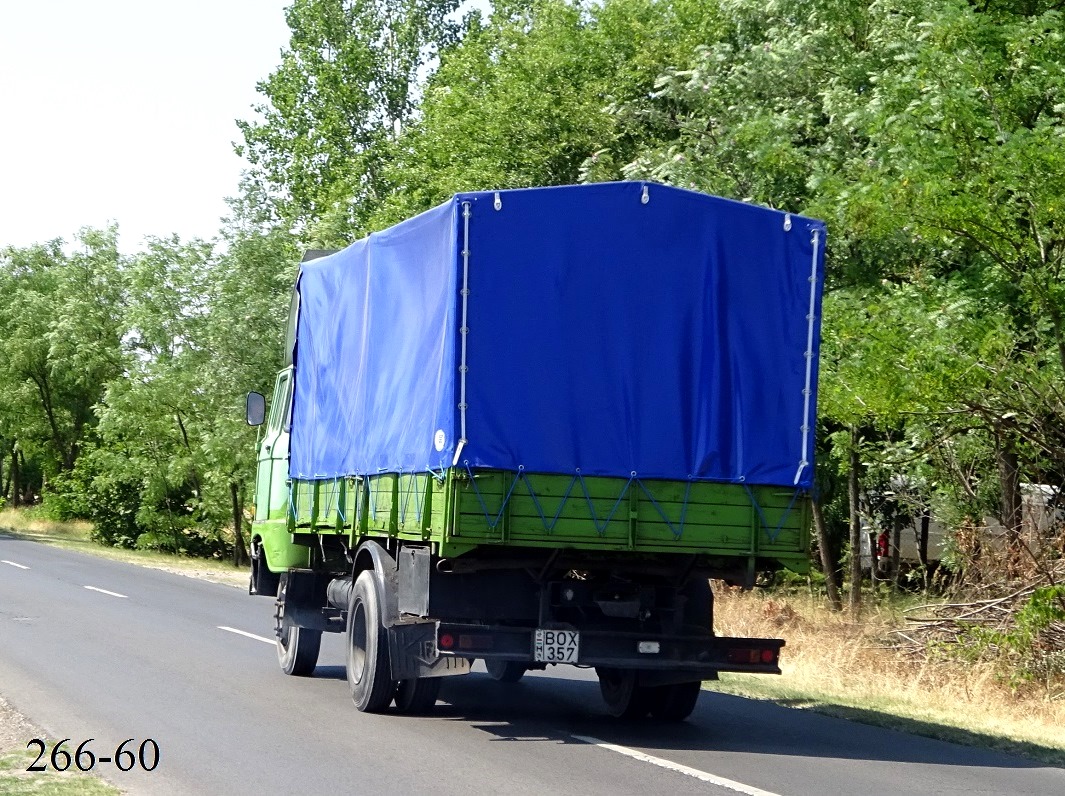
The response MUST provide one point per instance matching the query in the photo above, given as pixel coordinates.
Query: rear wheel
(675, 702)
(369, 676)
(625, 698)
(417, 696)
(505, 671)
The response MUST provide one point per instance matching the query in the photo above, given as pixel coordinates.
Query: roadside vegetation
(928, 134)
(15, 780)
(31, 524)
(857, 669)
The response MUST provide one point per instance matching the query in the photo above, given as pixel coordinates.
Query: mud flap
(412, 646)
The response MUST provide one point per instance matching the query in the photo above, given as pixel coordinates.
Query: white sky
(123, 110)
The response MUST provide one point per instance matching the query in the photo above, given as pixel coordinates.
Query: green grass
(15, 780)
(32, 525)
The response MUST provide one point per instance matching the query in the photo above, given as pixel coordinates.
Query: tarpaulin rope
(406, 499)
(548, 526)
(341, 513)
(772, 535)
(601, 527)
(370, 484)
(677, 531)
(328, 503)
(492, 523)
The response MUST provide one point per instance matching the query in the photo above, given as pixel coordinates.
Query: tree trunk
(240, 550)
(874, 557)
(855, 526)
(896, 553)
(922, 545)
(835, 603)
(1010, 478)
(16, 485)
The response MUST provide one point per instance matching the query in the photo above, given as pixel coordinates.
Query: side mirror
(255, 410)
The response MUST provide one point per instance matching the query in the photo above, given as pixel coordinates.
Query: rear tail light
(752, 656)
(471, 641)
(446, 641)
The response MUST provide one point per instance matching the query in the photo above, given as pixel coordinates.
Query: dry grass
(31, 522)
(836, 665)
(75, 536)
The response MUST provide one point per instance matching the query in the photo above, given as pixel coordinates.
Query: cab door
(271, 481)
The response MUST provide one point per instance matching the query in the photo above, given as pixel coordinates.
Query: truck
(529, 427)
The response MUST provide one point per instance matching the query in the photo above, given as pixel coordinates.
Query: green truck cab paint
(272, 525)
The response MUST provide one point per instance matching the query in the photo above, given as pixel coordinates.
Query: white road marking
(12, 563)
(721, 782)
(245, 633)
(105, 591)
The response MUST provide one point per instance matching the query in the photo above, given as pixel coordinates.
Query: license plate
(556, 646)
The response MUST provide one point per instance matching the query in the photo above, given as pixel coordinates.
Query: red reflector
(746, 655)
(475, 642)
(447, 641)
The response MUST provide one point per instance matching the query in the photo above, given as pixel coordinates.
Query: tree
(344, 89)
(60, 331)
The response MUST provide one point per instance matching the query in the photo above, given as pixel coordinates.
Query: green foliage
(59, 346)
(929, 134)
(344, 87)
(1029, 650)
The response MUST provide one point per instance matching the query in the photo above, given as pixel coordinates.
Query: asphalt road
(91, 648)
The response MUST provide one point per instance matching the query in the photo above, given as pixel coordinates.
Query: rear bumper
(698, 655)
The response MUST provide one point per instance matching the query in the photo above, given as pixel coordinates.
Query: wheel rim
(284, 634)
(358, 644)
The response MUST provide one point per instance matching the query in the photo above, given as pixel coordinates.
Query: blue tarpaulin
(614, 329)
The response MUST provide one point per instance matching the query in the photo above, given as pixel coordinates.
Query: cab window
(279, 412)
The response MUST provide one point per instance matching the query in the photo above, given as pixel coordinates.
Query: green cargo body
(752, 527)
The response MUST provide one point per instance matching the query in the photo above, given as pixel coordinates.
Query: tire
(675, 702)
(417, 697)
(262, 581)
(297, 647)
(369, 675)
(624, 697)
(505, 671)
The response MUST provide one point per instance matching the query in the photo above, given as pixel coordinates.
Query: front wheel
(297, 647)
(369, 674)
(262, 580)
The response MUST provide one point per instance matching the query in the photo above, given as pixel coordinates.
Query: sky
(124, 111)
